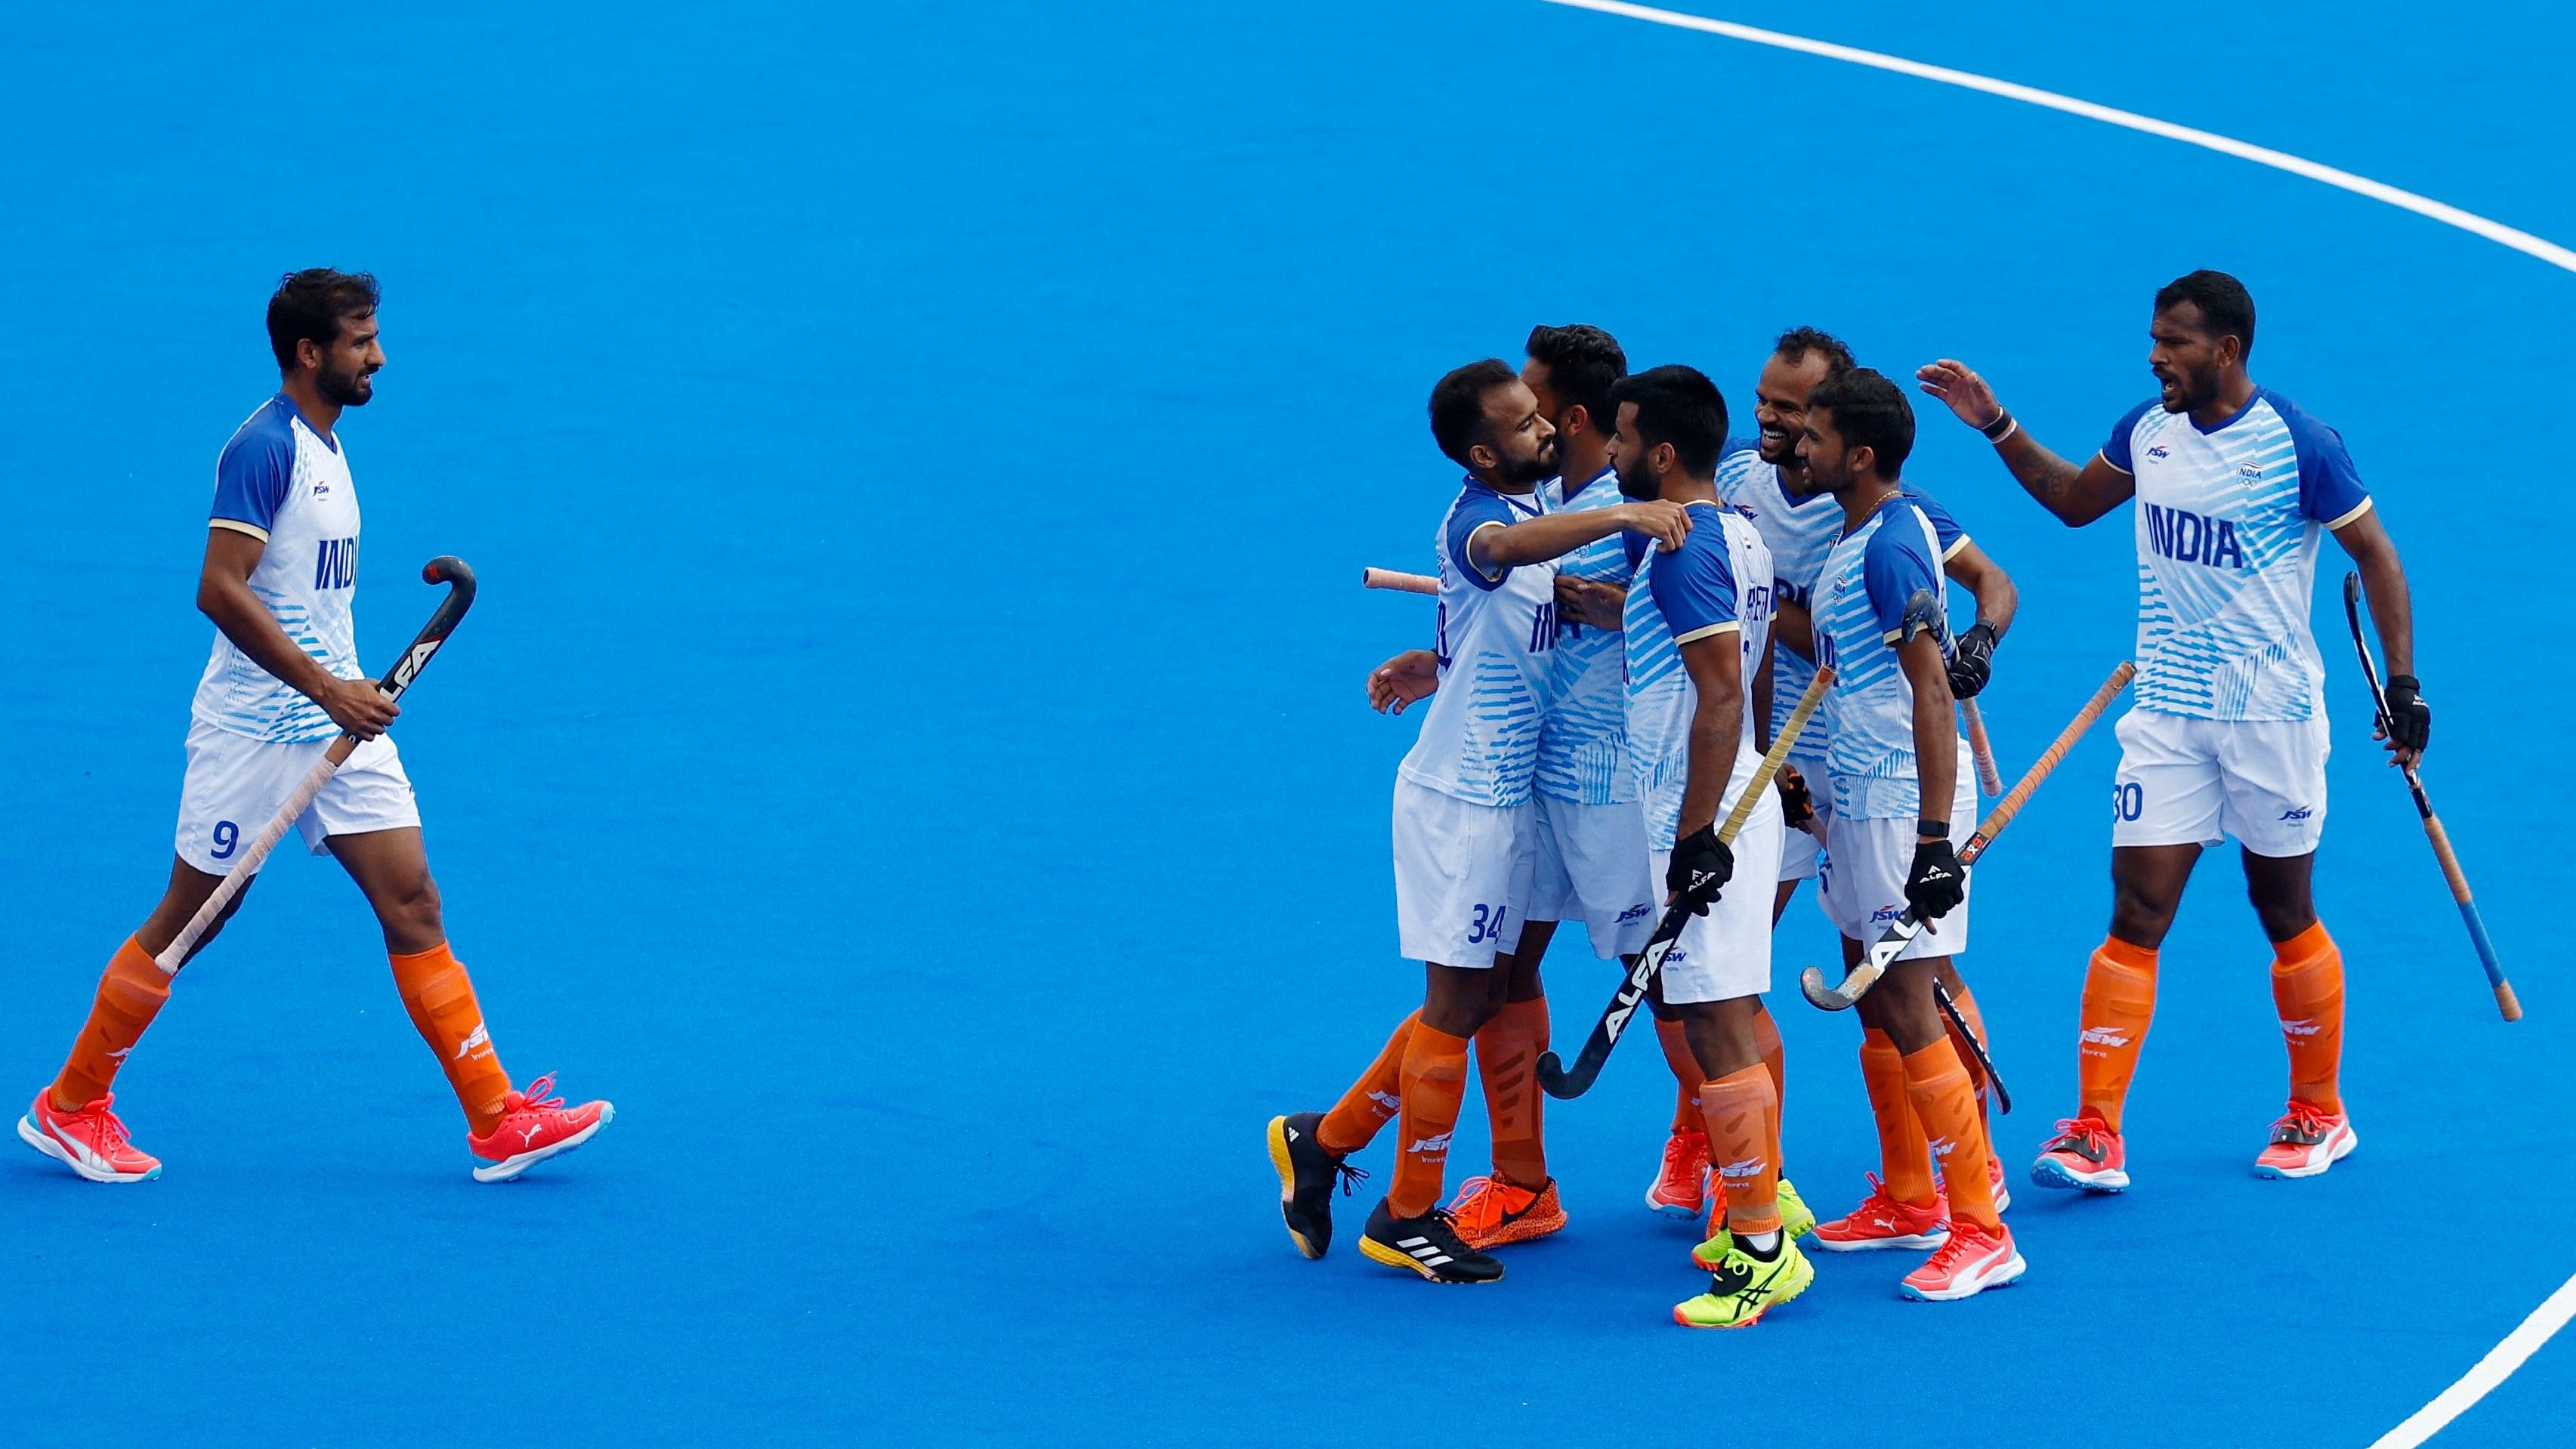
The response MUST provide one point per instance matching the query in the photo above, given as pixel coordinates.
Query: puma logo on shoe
(528, 1134)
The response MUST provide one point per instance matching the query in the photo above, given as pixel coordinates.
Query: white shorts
(1590, 866)
(1727, 953)
(1862, 882)
(237, 784)
(2186, 781)
(1800, 851)
(1462, 875)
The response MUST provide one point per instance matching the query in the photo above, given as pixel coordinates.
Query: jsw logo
(2300, 1028)
(1636, 912)
(1885, 913)
(2110, 1036)
(2302, 813)
(1432, 1144)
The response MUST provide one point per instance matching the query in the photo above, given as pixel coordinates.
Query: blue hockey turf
(909, 751)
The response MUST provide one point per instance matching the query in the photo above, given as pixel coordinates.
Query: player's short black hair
(2225, 306)
(1582, 362)
(1680, 406)
(1797, 342)
(309, 305)
(1869, 411)
(1458, 405)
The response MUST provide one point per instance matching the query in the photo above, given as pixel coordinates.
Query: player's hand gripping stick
(445, 569)
(1906, 927)
(2433, 831)
(1401, 583)
(1554, 1078)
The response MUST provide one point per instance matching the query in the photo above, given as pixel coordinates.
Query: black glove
(1701, 867)
(1938, 883)
(2410, 719)
(1974, 662)
(1797, 802)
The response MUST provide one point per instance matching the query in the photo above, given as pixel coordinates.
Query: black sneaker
(1306, 1174)
(1428, 1245)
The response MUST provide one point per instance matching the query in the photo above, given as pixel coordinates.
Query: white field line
(2494, 231)
(2553, 1314)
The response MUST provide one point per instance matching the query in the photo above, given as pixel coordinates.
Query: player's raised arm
(1500, 546)
(224, 595)
(2076, 495)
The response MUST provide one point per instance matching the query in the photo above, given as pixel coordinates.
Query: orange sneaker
(1972, 1261)
(2305, 1142)
(534, 1127)
(1681, 1185)
(91, 1141)
(2084, 1154)
(1491, 1212)
(1882, 1222)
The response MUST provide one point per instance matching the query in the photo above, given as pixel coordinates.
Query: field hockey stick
(1976, 1048)
(1553, 1076)
(445, 569)
(1906, 927)
(2433, 831)
(1401, 583)
(1989, 779)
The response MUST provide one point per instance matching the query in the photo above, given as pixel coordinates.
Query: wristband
(1932, 829)
(2000, 429)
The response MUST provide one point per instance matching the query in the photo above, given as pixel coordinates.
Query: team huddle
(1635, 608)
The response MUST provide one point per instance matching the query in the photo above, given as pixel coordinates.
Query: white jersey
(1479, 739)
(2227, 555)
(1859, 612)
(1582, 733)
(281, 482)
(1801, 530)
(1718, 581)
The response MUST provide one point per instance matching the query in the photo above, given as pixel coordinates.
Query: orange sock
(2307, 987)
(1686, 1074)
(130, 994)
(1742, 1113)
(1435, 1082)
(1966, 1001)
(2119, 1002)
(443, 1010)
(1775, 1057)
(1946, 1105)
(1903, 1159)
(1371, 1101)
(1507, 1052)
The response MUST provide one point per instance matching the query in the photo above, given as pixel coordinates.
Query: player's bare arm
(1408, 678)
(1502, 545)
(1936, 758)
(2076, 495)
(1716, 667)
(2392, 607)
(1972, 662)
(224, 595)
(1794, 627)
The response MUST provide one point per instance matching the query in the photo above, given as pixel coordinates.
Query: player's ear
(1482, 457)
(1860, 456)
(1572, 414)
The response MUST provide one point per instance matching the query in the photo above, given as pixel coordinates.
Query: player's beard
(1534, 470)
(2192, 391)
(1638, 484)
(347, 389)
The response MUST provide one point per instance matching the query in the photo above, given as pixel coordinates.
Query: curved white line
(2503, 1359)
(2494, 231)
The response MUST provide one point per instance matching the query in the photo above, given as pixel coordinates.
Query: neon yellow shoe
(1796, 1221)
(1745, 1287)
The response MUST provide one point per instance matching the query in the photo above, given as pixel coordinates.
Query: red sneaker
(1995, 1182)
(1882, 1222)
(2305, 1142)
(1492, 1212)
(534, 1127)
(90, 1141)
(1973, 1261)
(1681, 1187)
(2084, 1154)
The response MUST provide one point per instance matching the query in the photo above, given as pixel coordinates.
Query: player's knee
(2141, 913)
(2284, 918)
(413, 911)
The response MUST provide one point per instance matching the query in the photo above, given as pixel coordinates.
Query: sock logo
(1388, 1100)
(2300, 1028)
(1439, 1143)
(2109, 1036)
(1942, 1147)
(482, 1037)
(1749, 1167)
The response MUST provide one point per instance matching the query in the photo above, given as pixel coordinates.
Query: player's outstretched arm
(1538, 539)
(1972, 663)
(2383, 578)
(2076, 495)
(223, 595)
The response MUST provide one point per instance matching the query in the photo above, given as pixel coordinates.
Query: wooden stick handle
(2010, 806)
(1400, 582)
(254, 855)
(1778, 754)
(1989, 779)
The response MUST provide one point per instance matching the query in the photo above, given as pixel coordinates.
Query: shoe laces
(111, 1128)
(2308, 1117)
(2091, 1134)
(1350, 1176)
(1965, 1238)
(1878, 1200)
(1479, 1203)
(538, 1098)
(1681, 1149)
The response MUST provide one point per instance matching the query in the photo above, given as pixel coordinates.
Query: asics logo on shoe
(2110, 1036)
(1432, 1144)
(482, 1037)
